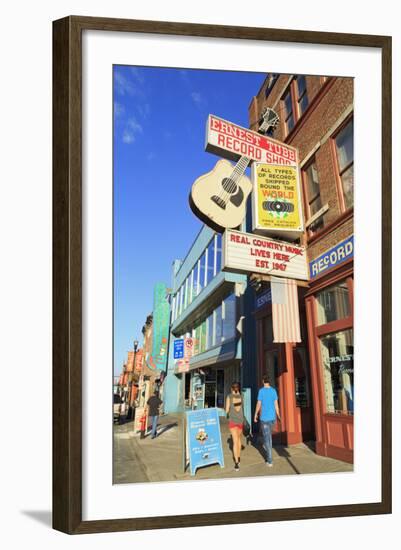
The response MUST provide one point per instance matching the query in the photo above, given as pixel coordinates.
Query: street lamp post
(133, 370)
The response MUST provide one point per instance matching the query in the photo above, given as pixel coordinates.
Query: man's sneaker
(236, 467)
(269, 464)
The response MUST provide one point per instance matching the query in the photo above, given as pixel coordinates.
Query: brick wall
(329, 101)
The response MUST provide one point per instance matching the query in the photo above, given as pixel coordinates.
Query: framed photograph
(215, 271)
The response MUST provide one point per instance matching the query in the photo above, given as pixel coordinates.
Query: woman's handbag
(246, 430)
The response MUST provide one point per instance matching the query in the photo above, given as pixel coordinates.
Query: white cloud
(196, 97)
(143, 109)
(119, 109)
(131, 129)
(134, 125)
(137, 74)
(128, 137)
(123, 85)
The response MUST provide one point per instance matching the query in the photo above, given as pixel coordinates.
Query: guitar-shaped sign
(219, 197)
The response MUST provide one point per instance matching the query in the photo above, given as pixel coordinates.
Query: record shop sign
(232, 142)
(333, 257)
(249, 253)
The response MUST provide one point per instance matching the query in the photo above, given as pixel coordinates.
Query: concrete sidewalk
(161, 459)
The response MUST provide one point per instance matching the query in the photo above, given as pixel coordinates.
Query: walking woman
(235, 412)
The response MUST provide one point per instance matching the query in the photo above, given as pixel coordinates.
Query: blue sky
(159, 133)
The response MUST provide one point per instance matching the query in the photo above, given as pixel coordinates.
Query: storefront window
(181, 294)
(333, 303)
(301, 379)
(209, 331)
(210, 262)
(345, 155)
(195, 283)
(218, 326)
(202, 272)
(267, 330)
(218, 253)
(190, 287)
(271, 367)
(185, 287)
(220, 389)
(338, 371)
(229, 317)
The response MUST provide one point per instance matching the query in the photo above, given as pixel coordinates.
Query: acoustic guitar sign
(219, 197)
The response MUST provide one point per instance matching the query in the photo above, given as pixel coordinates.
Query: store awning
(217, 356)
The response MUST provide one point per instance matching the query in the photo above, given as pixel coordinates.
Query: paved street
(160, 459)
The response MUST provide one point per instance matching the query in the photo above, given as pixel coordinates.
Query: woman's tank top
(236, 416)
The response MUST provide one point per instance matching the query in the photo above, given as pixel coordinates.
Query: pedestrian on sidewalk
(268, 411)
(235, 413)
(123, 412)
(152, 407)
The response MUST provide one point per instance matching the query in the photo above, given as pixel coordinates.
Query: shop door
(214, 388)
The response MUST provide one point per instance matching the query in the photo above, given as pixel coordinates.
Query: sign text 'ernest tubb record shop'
(232, 142)
(249, 253)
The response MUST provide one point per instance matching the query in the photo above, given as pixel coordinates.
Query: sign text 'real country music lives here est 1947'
(250, 253)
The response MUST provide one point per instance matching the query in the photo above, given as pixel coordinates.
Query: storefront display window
(333, 303)
(218, 326)
(195, 282)
(202, 272)
(301, 378)
(209, 332)
(267, 330)
(337, 351)
(229, 317)
(218, 253)
(210, 262)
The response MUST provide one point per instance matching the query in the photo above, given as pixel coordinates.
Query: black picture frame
(67, 273)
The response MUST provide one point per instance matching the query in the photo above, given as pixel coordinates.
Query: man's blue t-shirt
(267, 396)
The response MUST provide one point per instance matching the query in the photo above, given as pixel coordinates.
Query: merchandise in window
(338, 371)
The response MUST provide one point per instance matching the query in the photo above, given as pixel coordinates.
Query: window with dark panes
(202, 265)
(195, 282)
(344, 141)
(313, 195)
(218, 253)
(210, 262)
(288, 111)
(302, 96)
(333, 303)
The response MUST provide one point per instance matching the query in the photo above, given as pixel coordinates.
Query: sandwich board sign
(203, 438)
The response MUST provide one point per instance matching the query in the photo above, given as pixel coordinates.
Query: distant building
(208, 316)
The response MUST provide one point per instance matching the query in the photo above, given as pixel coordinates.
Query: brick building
(315, 377)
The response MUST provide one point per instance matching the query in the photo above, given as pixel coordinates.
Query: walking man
(267, 410)
(153, 406)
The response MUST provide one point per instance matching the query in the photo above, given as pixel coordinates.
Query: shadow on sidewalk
(257, 443)
(164, 428)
